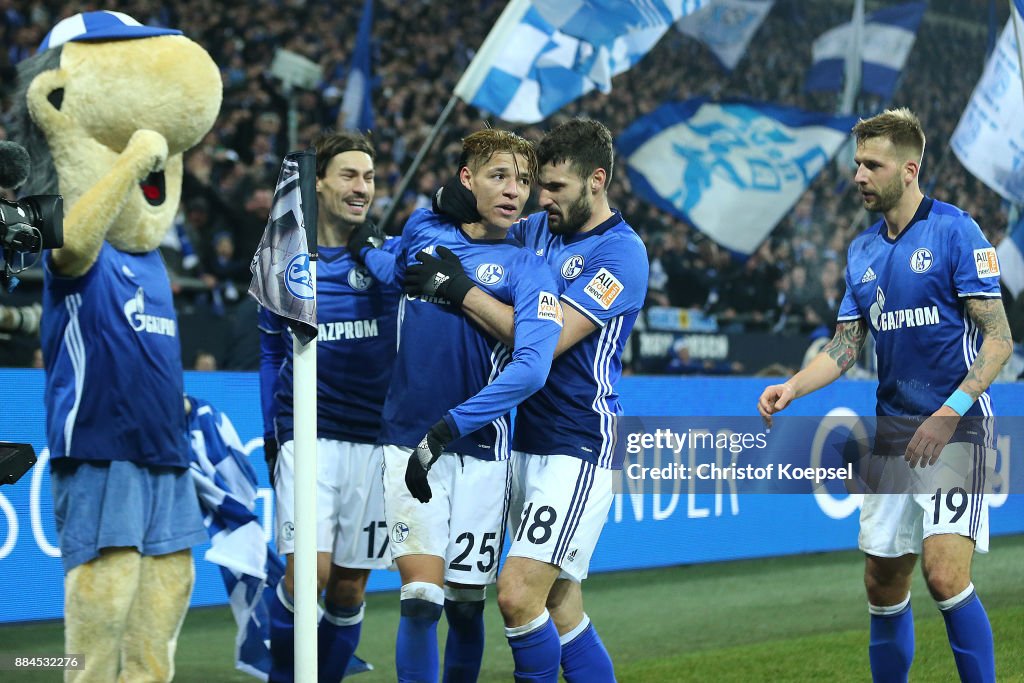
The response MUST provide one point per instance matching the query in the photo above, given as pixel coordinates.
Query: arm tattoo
(846, 345)
(990, 317)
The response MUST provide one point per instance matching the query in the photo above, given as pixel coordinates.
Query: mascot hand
(146, 152)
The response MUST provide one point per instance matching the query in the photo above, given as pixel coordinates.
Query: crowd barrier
(670, 527)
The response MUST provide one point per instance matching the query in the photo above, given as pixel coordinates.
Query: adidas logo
(572, 555)
(869, 275)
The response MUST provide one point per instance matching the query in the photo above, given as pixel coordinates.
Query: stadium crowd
(792, 285)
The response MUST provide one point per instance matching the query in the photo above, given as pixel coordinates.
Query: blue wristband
(960, 401)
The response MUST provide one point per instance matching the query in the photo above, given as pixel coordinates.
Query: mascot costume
(106, 109)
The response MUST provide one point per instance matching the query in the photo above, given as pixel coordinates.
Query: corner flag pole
(305, 455)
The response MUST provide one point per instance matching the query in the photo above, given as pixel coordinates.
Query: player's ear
(910, 169)
(598, 180)
(466, 176)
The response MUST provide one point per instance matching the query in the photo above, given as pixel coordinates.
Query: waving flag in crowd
(357, 103)
(1011, 259)
(888, 37)
(726, 27)
(989, 140)
(732, 169)
(281, 277)
(543, 54)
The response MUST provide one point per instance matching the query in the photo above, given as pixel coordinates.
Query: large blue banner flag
(732, 169)
(357, 104)
(888, 38)
(543, 54)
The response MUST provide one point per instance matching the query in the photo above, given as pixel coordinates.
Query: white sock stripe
(534, 624)
(889, 610)
(283, 597)
(465, 594)
(957, 600)
(346, 621)
(422, 590)
(573, 634)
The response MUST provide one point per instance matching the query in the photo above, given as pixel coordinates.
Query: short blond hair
(900, 126)
(479, 147)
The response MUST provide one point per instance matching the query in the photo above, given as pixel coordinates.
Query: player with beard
(926, 282)
(564, 436)
(357, 316)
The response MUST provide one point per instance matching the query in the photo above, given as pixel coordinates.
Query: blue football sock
(535, 650)
(970, 636)
(416, 655)
(282, 637)
(891, 649)
(464, 649)
(337, 638)
(584, 658)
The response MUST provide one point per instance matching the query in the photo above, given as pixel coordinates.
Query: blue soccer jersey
(113, 362)
(603, 275)
(911, 291)
(447, 367)
(357, 321)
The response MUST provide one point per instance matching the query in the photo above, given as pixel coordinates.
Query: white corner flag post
(305, 456)
(305, 409)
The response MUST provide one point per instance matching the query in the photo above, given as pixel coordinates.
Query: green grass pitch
(796, 618)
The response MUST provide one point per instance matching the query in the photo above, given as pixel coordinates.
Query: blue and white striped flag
(543, 54)
(282, 281)
(1011, 259)
(357, 102)
(226, 486)
(989, 139)
(888, 37)
(726, 27)
(732, 169)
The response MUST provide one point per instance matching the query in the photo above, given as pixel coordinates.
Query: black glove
(363, 236)
(423, 456)
(270, 456)
(441, 277)
(453, 199)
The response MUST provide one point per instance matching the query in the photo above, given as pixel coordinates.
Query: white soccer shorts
(464, 522)
(349, 504)
(558, 506)
(949, 497)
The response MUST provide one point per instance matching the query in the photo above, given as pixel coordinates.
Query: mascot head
(99, 79)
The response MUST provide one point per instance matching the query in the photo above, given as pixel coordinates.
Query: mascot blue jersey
(113, 358)
(602, 274)
(355, 351)
(447, 366)
(911, 291)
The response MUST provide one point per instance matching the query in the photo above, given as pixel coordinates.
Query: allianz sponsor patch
(604, 288)
(986, 262)
(549, 308)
